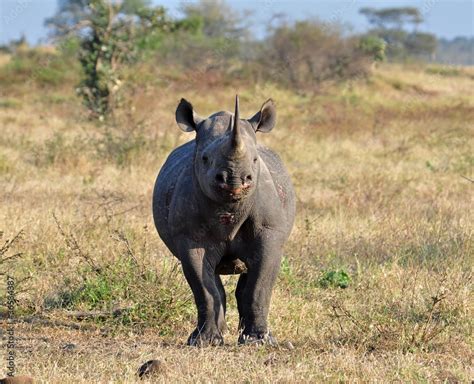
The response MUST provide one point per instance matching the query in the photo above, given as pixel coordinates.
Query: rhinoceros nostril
(248, 178)
(220, 178)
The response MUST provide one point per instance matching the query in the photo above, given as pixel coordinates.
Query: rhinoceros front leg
(199, 269)
(255, 290)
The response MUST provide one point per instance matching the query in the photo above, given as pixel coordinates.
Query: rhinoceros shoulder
(181, 153)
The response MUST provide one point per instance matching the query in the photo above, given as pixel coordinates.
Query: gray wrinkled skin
(224, 204)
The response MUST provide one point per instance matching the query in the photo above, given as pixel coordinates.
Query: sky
(444, 18)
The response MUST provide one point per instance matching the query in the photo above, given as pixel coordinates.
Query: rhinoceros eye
(205, 159)
(255, 159)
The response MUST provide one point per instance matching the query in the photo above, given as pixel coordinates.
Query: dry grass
(380, 172)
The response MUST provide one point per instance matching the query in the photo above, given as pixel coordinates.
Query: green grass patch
(126, 293)
(9, 103)
(334, 279)
(444, 71)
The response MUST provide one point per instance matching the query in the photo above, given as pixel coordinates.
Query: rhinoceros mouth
(234, 192)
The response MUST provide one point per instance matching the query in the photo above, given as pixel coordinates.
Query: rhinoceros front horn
(238, 145)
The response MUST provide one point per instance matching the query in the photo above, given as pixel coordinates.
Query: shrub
(38, 66)
(121, 146)
(373, 46)
(307, 53)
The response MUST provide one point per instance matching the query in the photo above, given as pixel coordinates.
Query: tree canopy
(392, 17)
(390, 24)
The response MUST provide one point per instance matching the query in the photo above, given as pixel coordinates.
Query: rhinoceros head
(226, 163)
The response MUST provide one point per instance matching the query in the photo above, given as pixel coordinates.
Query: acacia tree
(71, 16)
(390, 24)
(389, 18)
(218, 19)
(110, 33)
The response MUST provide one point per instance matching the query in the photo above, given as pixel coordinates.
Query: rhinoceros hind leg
(239, 295)
(221, 289)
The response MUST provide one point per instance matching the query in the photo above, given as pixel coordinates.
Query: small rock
(271, 359)
(69, 347)
(150, 368)
(17, 380)
(289, 345)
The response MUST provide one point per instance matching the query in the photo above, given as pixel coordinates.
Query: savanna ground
(383, 173)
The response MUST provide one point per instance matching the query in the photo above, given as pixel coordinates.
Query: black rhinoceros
(225, 204)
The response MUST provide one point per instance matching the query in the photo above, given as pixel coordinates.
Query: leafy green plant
(334, 279)
(373, 46)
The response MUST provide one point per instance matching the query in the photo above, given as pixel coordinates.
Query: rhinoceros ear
(185, 117)
(265, 119)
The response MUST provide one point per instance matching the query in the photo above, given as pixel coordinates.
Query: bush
(59, 150)
(373, 46)
(121, 146)
(43, 67)
(208, 39)
(307, 53)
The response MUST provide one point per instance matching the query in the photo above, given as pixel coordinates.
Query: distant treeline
(457, 51)
(214, 42)
(400, 29)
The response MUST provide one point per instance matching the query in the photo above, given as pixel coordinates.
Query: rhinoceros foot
(257, 339)
(204, 338)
